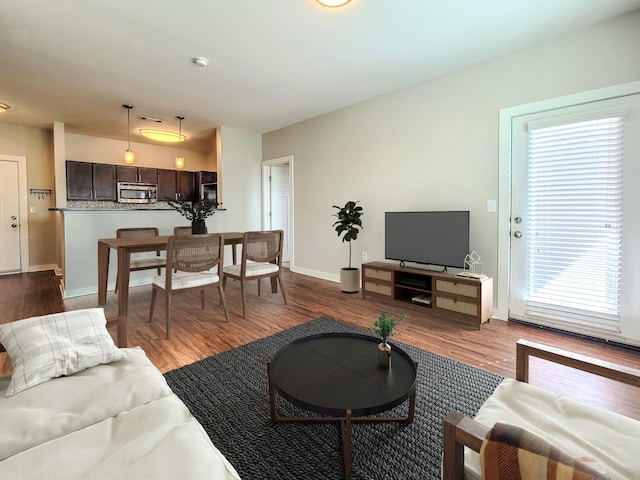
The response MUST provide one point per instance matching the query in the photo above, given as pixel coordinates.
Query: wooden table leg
(345, 425)
(103, 272)
(123, 294)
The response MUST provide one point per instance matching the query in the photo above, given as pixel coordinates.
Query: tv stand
(460, 298)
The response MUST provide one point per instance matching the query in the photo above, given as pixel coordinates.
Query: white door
(571, 293)
(278, 215)
(9, 218)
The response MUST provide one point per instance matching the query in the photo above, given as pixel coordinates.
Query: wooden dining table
(125, 247)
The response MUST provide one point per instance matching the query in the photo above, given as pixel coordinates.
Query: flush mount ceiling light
(4, 107)
(180, 158)
(129, 157)
(201, 61)
(162, 135)
(333, 3)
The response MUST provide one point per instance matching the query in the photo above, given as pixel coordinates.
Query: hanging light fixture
(333, 3)
(179, 157)
(129, 157)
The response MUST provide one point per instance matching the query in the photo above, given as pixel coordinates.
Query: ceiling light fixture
(180, 157)
(333, 3)
(201, 61)
(162, 135)
(129, 157)
(4, 107)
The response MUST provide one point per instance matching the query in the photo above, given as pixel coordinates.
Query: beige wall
(434, 146)
(37, 146)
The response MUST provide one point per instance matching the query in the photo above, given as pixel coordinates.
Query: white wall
(434, 146)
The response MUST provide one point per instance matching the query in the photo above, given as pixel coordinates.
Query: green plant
(349, 223)
(386, 324)
(193, 211)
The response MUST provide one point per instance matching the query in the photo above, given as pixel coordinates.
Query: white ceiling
(272, 62)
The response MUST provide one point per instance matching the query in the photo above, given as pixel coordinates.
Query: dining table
(125, 247)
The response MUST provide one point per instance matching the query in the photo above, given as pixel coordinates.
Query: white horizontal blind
(574, 223)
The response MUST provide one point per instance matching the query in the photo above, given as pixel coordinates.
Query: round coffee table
(337, 374)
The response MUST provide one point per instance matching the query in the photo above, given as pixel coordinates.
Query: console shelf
(466, 299)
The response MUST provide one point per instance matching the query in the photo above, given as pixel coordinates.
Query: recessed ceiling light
(333, 3)
(201, 61)
(4, 107)
(162, 135)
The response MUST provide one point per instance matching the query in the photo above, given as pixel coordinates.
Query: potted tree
(385, 327)
(195, 212)
(348, 226)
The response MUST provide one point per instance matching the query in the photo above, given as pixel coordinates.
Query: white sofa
(606, 441)
(115, 420)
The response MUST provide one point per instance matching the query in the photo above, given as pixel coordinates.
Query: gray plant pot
(350, 280)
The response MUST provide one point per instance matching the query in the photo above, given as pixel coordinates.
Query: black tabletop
(332, 372)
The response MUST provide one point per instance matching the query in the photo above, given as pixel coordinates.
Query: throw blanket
(512, 453)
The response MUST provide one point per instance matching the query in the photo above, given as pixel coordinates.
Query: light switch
(491, 206)
(32, 209)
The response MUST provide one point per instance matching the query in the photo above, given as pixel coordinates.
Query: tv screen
(430, 238)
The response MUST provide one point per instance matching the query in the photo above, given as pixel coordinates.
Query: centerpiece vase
(198, 227)
(384, 355)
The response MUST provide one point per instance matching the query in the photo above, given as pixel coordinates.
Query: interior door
(9, 217)
(279, 203)
(521, 234)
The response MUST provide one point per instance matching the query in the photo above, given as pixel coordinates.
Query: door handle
(14, 225)
(517, 234)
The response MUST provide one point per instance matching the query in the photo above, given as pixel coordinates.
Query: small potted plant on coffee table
(385, 327)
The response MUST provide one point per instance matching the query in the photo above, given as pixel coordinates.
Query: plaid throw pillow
(51, 346)
(512, 453)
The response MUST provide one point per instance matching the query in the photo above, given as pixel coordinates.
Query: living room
(434, 144)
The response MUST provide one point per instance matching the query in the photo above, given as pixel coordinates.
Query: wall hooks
(40, 192)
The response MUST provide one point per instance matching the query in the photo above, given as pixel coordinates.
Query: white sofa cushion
(51, 346)
(574, 427)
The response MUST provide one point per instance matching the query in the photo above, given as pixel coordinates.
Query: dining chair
(261, 258)
(190, 261)
(186, 230)
(140, 261)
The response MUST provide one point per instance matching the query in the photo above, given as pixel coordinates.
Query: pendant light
(179, 157)
(129, 157)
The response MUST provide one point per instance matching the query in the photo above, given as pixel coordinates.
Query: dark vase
(198, 226)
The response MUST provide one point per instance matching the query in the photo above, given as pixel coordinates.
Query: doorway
(277, 181)
(14, 252)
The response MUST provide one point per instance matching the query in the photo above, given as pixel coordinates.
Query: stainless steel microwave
(137, 192)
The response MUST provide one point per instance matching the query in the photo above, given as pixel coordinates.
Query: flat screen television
(429, 238)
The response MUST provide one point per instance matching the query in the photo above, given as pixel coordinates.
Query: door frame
(288, 159)
(23, 201)
(506, 116)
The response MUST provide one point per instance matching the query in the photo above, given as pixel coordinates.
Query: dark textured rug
(228, 395)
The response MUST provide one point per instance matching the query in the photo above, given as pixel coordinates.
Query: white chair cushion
(139, 262)
(254, 269)
(181, 280)
(574, 427)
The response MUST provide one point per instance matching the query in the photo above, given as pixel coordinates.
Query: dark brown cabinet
(167, 184)
(136, 174)
(186, 186)
(91, 181)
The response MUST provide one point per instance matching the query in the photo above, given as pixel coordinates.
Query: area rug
(228, 395)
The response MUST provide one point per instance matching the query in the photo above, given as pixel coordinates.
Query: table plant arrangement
(195, 212)
(385, 327)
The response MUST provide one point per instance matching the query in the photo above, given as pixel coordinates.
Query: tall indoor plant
(348, 226)
(195, 212)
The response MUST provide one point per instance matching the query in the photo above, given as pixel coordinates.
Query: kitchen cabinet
(125, 173)
(167, 187)
(90, 181)
(186, 185)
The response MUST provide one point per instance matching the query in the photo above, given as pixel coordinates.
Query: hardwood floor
(198, 333)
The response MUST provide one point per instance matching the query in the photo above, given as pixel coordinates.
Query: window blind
(574, 223)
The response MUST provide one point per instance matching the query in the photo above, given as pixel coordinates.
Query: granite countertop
(96, 206)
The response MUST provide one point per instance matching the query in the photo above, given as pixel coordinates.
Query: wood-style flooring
(198, 333)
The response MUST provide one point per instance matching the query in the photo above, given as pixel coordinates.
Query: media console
(461, 298)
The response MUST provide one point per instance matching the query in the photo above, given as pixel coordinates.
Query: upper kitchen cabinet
(186, 185)
(91, 181)
(167, 186)
(126, 173)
